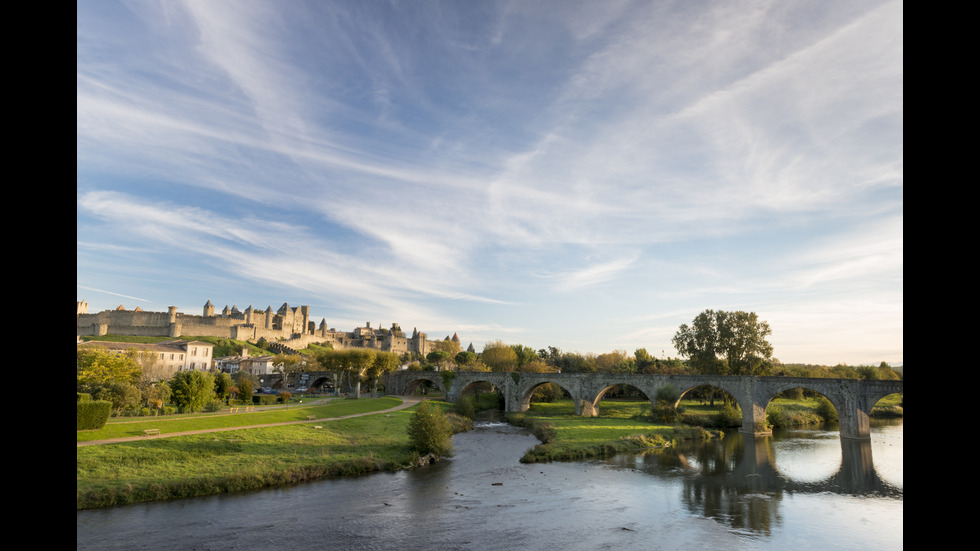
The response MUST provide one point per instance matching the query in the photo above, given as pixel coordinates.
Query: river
(800, 489)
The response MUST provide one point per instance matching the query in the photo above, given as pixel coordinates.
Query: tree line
(716, 342)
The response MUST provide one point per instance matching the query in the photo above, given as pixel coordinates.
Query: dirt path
(407, 402)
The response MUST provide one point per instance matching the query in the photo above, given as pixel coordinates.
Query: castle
(288, 326)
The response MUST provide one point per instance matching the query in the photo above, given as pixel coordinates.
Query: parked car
(302, 389)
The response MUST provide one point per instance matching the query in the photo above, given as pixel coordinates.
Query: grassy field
(236, 460)
(120, 427)
(210, 463)
(620, 427)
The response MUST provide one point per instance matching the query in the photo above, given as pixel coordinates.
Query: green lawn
(121, 427)
(615, 429)
(204, 464)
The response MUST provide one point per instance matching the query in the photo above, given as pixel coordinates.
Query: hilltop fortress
(290, 327)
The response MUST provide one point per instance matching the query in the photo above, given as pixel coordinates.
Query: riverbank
(621, 428)
(246, 457)
(241, 459)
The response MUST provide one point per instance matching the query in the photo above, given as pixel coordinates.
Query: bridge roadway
(853, 398)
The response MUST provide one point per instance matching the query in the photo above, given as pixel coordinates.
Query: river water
(802, 489)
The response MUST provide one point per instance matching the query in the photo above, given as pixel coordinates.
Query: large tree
(499, 356)
(96, 366)
(192, 390)
(384, 362)
(720, 342)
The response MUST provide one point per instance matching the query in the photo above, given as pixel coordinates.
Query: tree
(192, 390)
(360, 360)
(222, 385)
(96, 366)
(384, 362)
(498, 356)
(644, 361)
(285, 364)
(429, 431)
(719, 342)
(447, 346)
(617, 361)
(122, 395)
(440, 358)
(524, 355)
(465, 360)
(246, 383)
(665, 407)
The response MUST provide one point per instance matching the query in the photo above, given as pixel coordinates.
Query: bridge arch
(853, 398)
(591, 405)
(527, 392)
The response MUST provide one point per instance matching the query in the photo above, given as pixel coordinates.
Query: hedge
(93, 414)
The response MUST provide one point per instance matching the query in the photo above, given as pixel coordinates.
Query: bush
(285, 396)
(729, 416)
(92, 414)
(826, 409)
(775, 417)
(665, 408)
(429, 431)
(466, 407)
(458, 423)
(213, 406)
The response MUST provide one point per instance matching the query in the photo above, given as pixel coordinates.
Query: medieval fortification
(286, 327)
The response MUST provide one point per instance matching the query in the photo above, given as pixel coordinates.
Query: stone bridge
(853, 398)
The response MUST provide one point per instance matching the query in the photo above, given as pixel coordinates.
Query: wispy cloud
(486, 164)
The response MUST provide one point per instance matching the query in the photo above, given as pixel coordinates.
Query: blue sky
(579, 174)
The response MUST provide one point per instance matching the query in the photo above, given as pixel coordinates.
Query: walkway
(407, 402)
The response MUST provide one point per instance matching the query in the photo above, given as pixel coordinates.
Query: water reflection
(734, 493)
(742, 479)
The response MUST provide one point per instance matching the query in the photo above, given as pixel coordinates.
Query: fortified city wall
(289, 326)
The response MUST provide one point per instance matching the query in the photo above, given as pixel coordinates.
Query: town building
(161, 360)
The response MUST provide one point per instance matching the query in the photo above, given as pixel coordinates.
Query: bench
(310, 417)
(150, 432)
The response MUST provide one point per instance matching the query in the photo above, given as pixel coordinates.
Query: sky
(579, 174)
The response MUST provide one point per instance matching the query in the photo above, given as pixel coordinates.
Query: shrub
(429, 431)
(213, 405)
(122, 395)
(458, 423)
(729, 416)
(466, 407)
(826, 409)
(285, 396)
(92, 414)
(775, 417)
(666, 400)
(83, 397)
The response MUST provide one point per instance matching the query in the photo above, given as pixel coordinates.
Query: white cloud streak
(416, 157)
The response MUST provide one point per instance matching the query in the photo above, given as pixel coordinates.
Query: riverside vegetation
(211, 463)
